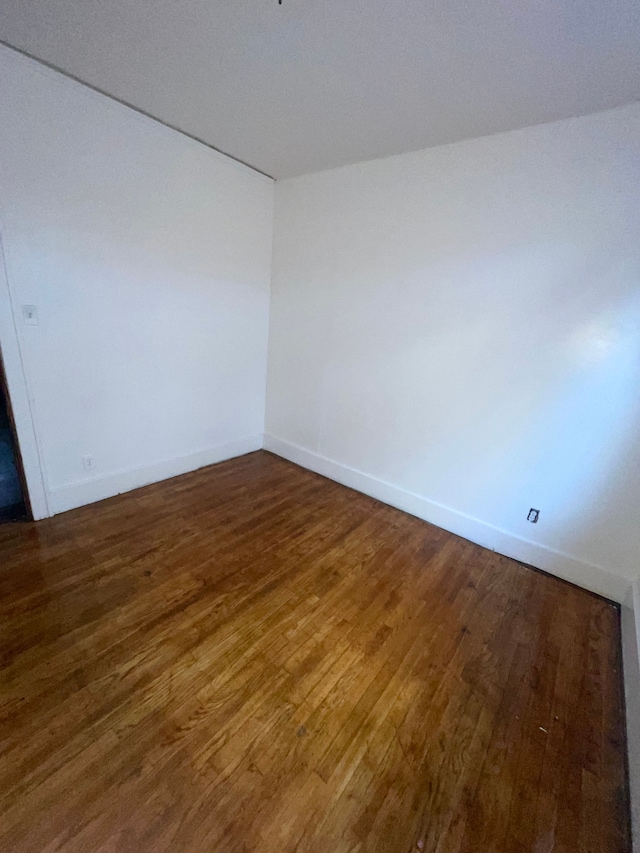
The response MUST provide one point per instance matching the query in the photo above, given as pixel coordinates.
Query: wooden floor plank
(254, 658)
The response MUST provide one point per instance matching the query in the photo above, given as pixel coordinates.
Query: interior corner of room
(453, 331)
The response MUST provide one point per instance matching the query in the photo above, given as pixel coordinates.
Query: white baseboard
(587, 575)
(94, 489)
(630, 618)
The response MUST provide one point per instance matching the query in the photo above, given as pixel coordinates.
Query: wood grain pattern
(254, 658)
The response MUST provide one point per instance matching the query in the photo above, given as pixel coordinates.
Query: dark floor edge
(629, 661)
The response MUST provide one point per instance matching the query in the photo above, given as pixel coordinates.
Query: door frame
(20, 398)
(17, 455)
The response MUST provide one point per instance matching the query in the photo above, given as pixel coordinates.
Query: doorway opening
(13, 492)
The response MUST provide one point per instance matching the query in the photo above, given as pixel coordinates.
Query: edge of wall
(569, 568)
(630, 632)
(72, 495)
(50, 69)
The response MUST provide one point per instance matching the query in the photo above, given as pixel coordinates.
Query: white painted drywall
(148, 258)
(457, 331)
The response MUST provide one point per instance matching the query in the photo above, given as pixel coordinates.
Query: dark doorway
(12, 495)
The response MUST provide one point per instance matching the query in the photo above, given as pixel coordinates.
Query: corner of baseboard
(73, 495)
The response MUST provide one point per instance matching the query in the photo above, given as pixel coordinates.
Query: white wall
(457, 331)
(148, 258)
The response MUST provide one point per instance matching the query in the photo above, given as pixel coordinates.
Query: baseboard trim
(95, 489)
(587, 575)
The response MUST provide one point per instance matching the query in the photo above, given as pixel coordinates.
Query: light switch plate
(30, 314)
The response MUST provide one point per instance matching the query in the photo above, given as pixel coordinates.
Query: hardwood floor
(253, 658)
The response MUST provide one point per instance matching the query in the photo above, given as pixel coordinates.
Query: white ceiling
(312, 84)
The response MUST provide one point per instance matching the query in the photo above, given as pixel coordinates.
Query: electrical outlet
(87, 463)
(533, 516)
